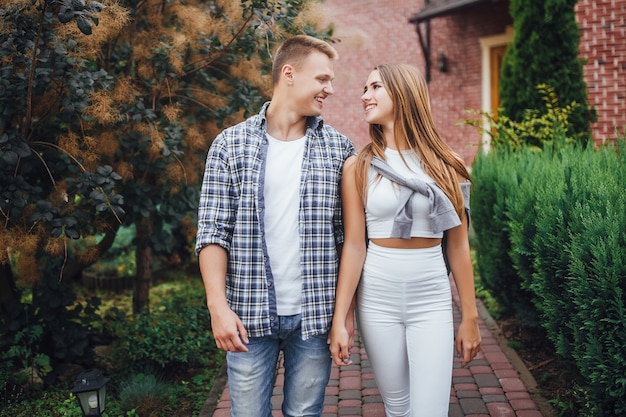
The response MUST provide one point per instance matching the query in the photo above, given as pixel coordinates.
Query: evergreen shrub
(521, 212)
(175, 332)
(551, 252)
(505, 217)
(597, 279)
(496, 178)
(563, 225)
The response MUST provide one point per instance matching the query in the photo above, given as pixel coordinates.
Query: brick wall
(603, 44)
(377, 31)
(460, 88)
(372, 32)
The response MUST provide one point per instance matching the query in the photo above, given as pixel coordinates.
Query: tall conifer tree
(545, 50)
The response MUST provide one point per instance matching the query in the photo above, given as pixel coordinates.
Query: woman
(402, 191)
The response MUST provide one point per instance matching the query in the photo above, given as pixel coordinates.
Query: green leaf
(84, 25)
(66, 15)
(72, 233)
(95, 6)
(9, 157)
(78, 5)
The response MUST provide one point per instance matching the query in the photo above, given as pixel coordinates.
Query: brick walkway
(495, 384)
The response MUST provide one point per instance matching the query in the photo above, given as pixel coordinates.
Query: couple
(284, 195)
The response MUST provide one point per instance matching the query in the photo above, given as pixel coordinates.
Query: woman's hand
(340, 345)
(468, 340)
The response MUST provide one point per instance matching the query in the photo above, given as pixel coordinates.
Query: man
(269, 223)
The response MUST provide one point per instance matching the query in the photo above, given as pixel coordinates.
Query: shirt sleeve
(216, 209)
(338, 216)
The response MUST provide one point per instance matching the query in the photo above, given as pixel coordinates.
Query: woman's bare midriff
(413, 243)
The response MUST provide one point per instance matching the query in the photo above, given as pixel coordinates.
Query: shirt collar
(312, 122)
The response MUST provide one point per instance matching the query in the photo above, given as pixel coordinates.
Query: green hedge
(551, 248)
(496, 179)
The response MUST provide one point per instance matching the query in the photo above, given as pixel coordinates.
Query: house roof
(435, 8)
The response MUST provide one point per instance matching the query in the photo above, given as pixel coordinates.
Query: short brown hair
(295, 49)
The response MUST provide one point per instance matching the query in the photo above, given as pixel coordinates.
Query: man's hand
(339, 345)
(228, 330)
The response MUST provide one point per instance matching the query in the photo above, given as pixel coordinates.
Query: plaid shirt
(231, 212)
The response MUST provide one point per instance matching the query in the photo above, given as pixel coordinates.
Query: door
(495, 61)
(496, 56)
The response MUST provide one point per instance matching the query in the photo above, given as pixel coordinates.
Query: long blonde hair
(414, 129)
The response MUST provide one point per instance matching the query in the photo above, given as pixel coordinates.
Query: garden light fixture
(442, 62)
(90, 391)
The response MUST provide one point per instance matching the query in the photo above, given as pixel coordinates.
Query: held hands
(468, 340)
(340, 343)
(228, 331)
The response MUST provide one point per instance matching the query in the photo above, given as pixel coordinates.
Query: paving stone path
(495, 384)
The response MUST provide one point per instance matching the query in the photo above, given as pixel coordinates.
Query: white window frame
(486, 44)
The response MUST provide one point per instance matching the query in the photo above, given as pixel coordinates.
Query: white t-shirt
(282, 207)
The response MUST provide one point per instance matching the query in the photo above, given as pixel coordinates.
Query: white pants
(405, 321)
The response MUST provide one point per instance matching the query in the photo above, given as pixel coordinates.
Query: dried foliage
(107, 109)
(165, 79)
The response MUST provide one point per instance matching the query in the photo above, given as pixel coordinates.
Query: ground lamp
(90, 390)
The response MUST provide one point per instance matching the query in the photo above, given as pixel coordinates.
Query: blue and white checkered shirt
(231, 213)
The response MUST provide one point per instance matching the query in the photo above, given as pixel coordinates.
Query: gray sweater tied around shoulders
(442, 214)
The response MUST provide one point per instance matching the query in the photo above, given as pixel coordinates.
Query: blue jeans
(251, 374)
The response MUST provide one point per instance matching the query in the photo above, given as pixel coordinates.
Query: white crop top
(383, 198)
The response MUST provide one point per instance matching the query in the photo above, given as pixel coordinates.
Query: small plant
(563, 406)
(573, 401)
(535, 129)
(143, 391)
(24, 354)
(69, 407)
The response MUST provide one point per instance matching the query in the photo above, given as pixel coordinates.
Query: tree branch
(73, 270)
(31, 75)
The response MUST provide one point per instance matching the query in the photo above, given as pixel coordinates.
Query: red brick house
(459, 45)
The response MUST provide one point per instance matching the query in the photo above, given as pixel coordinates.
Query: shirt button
(272, 318)
(269, 283)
